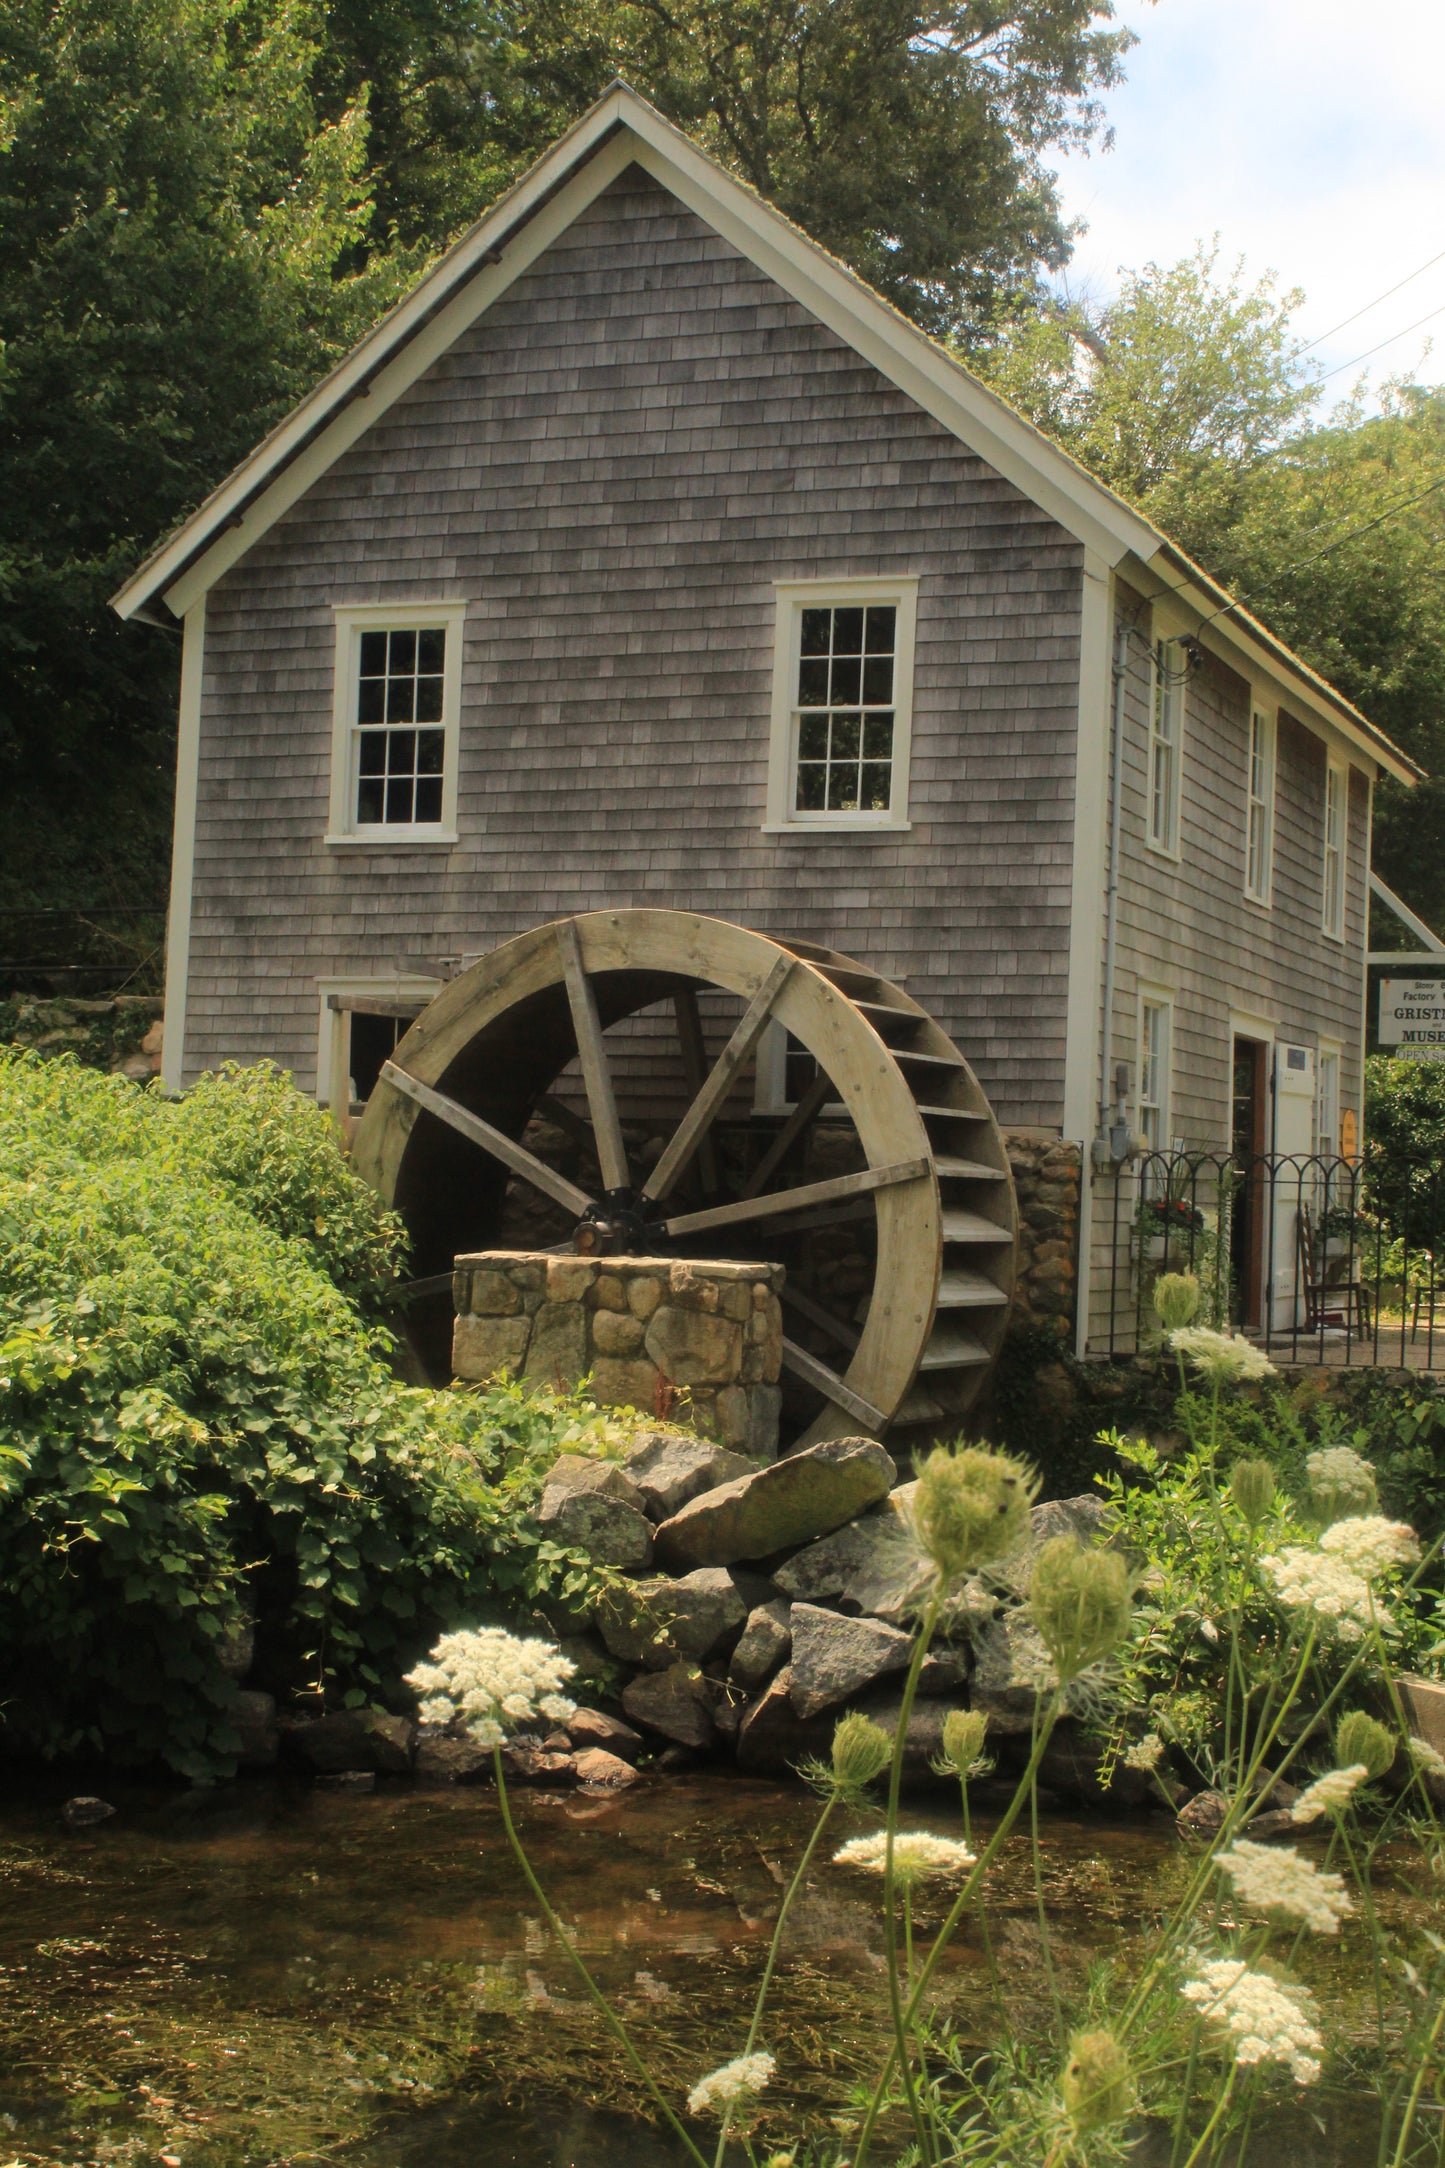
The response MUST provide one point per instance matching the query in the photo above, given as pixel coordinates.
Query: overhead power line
(1408, 280)
(1384, 342)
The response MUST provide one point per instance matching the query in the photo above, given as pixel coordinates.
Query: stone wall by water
(700, 1340)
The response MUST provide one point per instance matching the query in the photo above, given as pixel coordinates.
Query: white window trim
(1336, 774)
(1263, 893)
(352, 620)
(332, 1024)
(1329, 1050)
(1156, 997)
(770, 1074)
(791, 595)
(1161, 690)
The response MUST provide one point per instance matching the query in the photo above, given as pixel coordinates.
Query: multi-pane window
(400, 740)
(843, 717)
(1165, 735)
(1336, 787)
(1154, 1073)
(1259, 838)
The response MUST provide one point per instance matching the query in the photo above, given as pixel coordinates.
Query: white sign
(1412, 1012)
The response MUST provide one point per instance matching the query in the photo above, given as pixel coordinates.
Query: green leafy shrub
(200, 1436)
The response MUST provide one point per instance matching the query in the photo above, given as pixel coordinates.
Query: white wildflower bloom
(1338, 1473)
(1426, 1757)
(1222, 1357)
(730, 2086)
(916, 1855)
(1265, 2022)
(1145, 1753)
(1329, 1794)
(1370, 1545)
(1283, 1880)
(493, 1682)
(1309, 1580)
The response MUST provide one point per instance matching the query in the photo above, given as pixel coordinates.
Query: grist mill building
(644, 557)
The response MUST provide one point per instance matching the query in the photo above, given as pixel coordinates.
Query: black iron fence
(1319, 1259)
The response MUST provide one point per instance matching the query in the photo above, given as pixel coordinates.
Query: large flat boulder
(655, 1622)
(582, 1472)
(798, 1499)
(872, 1566)
(672, 1468)
(590, 1729)
(835, 1658)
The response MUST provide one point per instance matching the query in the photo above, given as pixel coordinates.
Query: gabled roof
(622, 129)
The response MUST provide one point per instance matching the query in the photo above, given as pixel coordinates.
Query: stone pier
(684, 1339)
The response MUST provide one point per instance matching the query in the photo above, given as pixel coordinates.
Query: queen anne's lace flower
(1329, 1794)
(493, 1682)
(1426, 1757)
(916, 1855)
(729, 2087)
(1283, 1880)
(1222, 1357)
(1307, 1580)
(1145, 1753)
(1339, 1476)
(1264, 2021)
(1370, 1545)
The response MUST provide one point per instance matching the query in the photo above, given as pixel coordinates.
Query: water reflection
(264, 1975)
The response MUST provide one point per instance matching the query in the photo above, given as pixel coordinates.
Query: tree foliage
(200, 1434)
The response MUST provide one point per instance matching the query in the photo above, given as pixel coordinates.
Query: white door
(1294, 1183)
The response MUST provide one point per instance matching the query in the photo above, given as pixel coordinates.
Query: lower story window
(1154, 1037)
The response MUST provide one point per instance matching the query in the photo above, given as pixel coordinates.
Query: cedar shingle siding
(612, 467)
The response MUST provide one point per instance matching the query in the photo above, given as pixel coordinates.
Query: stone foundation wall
(122, 1033)
(686, 1340)
(1046, 1178)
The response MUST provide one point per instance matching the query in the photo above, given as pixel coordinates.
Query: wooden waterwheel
(632, 1037)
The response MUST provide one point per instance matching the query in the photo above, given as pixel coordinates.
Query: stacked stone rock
(752, 1607)
(646, 1330)
(1046, 1183)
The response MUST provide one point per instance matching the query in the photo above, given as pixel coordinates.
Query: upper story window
(842, 704)
(394, 750)
(1259, 834)
(1166, 735)
(1337, 789)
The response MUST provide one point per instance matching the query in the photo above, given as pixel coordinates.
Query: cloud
(1310, 137)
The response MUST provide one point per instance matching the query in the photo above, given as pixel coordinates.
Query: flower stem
(613, 2023)
(902, 2041)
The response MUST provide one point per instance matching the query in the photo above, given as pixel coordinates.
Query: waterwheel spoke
(804, 1114)
(842, 1335)
(806, 1197)
(694, 1070)
(707, 1104)
(827, 1382)
(513, 1156)
(596, 1069)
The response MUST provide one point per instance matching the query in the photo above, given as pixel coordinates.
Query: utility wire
(1389, 291)
(1384, 342)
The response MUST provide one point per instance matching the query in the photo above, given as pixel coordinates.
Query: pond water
(272, 1976)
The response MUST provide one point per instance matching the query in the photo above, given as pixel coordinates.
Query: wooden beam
(798, 1200)
(708, 1103)
(395, 1005)
(831, 1386)
(596, 1072)
(805, 1112)
(694, 1069)
(794, 1299)
(469, 1125)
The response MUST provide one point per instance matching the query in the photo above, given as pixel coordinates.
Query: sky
(1310, 135)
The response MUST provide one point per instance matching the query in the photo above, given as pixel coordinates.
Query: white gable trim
(619, 130)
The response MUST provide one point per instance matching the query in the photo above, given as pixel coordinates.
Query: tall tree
(174, 214)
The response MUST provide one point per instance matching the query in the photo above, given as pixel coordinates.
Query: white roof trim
(619, 130)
